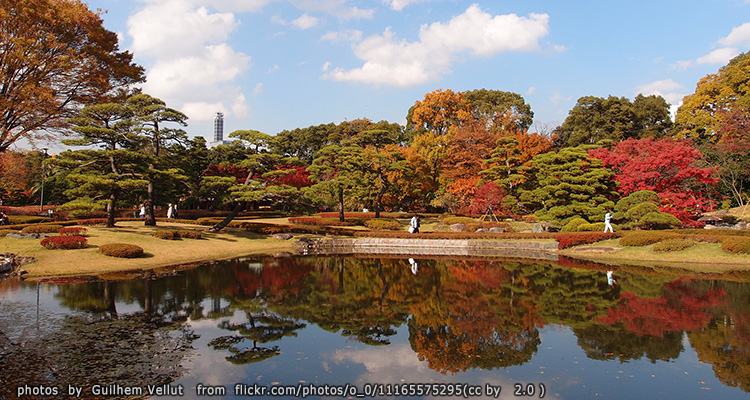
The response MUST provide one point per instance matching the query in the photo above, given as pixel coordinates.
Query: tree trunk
(150, 218)
(221, 225)
(341, 204)
(111, 210)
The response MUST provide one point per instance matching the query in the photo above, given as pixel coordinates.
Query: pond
(350, 327)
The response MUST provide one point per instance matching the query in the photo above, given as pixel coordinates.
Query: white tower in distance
(218, 131)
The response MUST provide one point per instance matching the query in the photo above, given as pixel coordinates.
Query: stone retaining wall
(435, 247)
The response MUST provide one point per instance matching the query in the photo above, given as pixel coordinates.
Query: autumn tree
(15, 177)
(615, 118)
(716, 96)
(666, 166)
(56, 58)
(440, 113)
(115, 167)
(152, 120)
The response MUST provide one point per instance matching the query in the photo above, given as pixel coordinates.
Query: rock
(480, 230)
(709, 227)
(741, 225)
(283, 236)
(497, 229)
(283, 254)
(458, 227)
(537, 228)
(13, 235)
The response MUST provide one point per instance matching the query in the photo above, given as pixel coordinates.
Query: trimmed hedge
(64, 242)
(676, 244)
(573, 224)
(92, 221)
(188, 234)
(566, 240)
(72, 231)
(452, 235)
(380, 224)
(121, 250)
(737, 245)
(459, 220)
(5, 232)
(320, 221)
(645, 238)
(41, 228)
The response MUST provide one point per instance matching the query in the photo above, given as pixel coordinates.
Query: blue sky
(272, 65)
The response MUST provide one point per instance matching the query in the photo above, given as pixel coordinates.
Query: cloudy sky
(272, 65)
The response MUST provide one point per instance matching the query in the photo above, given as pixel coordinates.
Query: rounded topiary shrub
(659, 220)
(458, 220)
(64, 242)
(72, 231)
(676, 244)
(736, 244)
(642, 238)
(122, 250)
(638, 211)
(42, 228)
(593, 227)
(184, 233)
(382, 224)
(573, 224)
(166, 234)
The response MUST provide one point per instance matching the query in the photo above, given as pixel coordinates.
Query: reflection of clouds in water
(397, 364)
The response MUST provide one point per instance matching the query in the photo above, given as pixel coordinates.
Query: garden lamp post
(41, 198)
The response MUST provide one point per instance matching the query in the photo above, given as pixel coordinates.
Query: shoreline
(168, 256)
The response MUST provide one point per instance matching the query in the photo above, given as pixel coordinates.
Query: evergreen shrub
(573, 224)
(659, 220)
(122, 250)
(166, 234)
(459, 220)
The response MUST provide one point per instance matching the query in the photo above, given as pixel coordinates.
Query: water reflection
(453, 316)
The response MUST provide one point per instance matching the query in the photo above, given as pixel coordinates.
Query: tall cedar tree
(56, 58)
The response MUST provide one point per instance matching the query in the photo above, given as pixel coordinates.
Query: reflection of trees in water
(260, 329)
(604, 342)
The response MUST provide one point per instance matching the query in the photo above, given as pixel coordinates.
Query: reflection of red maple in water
(283, 278)
(679, 308)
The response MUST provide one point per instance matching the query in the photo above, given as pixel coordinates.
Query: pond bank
(436, 247)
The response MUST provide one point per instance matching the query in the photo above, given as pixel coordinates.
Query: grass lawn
(703, 257)
(229, 243)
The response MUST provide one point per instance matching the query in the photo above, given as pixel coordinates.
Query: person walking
(607, 221)
(414, 224)
(142, 213)
(170, 211)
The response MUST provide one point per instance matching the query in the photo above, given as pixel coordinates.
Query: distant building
(218, 131)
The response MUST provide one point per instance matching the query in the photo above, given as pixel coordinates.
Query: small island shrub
(645, 238)
(166, 234)
(381, 224)
(64, 242)
(736, 244)
(121, 250)
(676, 244)
(72, 231)
(188, 234)
(573, 224)
(42, 228)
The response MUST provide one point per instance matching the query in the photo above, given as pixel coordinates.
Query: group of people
(171, 211)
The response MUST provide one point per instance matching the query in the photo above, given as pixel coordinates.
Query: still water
(344, 327)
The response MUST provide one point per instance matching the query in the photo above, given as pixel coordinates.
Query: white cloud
(392, 61)
(718, 56)
(186, 30)
(558, 98)
(192, 67)
(531, 90)
(326, 66)
(740, 35)
(258, 90)
(399, 5)
(306, 22)
(338, 8)
(351, 35)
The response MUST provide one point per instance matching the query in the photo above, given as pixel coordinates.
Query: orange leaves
(441, 112)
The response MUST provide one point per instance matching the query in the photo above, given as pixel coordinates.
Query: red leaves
(64, 242)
